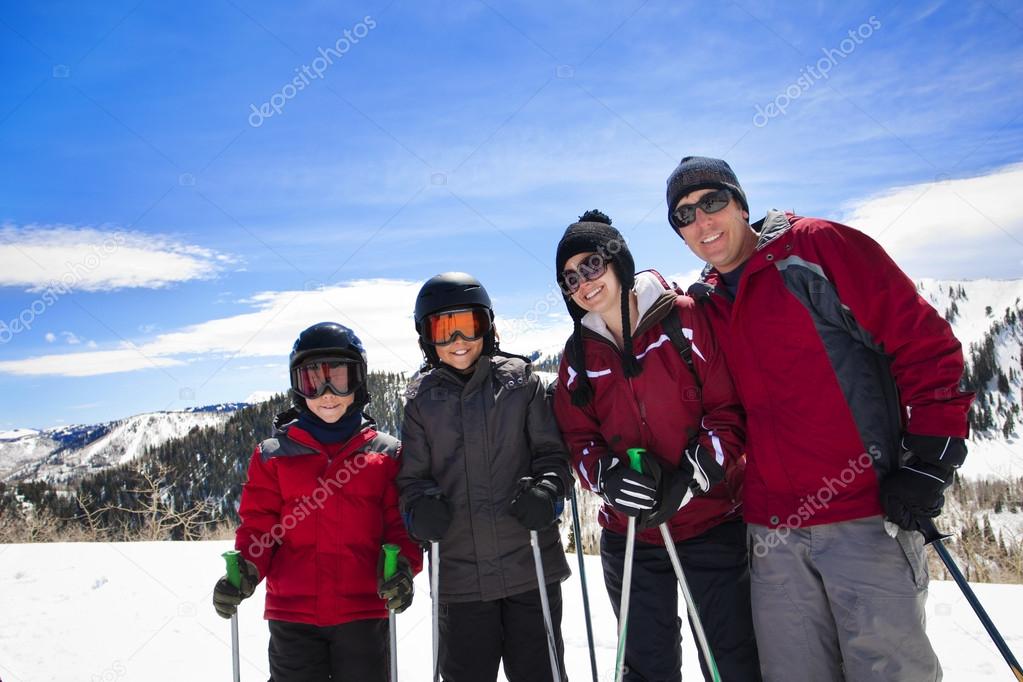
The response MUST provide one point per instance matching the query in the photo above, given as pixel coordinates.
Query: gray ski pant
(840, 601)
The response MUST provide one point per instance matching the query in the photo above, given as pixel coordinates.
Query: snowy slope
(973, 321)
(991, 454)
(60, 454)
(141, 612)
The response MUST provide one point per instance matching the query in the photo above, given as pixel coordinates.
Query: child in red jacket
(319, 502)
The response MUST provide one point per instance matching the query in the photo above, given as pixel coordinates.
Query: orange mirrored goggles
(441, 329)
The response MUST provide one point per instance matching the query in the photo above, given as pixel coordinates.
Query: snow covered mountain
(64, 453)
(987, 316)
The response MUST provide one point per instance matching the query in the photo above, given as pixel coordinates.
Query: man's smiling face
(722, 238)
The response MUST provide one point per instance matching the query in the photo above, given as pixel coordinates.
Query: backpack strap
(673, 328)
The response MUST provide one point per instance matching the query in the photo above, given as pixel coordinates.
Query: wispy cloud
(378, 310)
(36, 257)
(967, 227)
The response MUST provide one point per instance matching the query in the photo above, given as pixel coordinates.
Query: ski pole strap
(233, 575)
(636, 458)
(390, 560)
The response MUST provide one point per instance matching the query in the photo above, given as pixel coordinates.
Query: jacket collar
(502, 365)
(288, 428)
(769, 228)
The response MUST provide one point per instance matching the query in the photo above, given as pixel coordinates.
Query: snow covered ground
(141, 611)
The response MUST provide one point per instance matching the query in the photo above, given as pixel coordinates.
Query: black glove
(398, 589)
(227, 597)
(676, 492)
(536, 506)
(631, 492)
(701, 468)
(428, 518)
(916, 490)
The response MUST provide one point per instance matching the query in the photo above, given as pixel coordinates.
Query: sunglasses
(684, 215)
(342, 376)
(471, 324)
(591, 269)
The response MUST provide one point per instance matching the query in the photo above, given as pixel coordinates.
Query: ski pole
(234, 577)
(630, 549)
(390, 567)
(552, 650)
(933, 537)
(582, 579)
(435, 592)
(701, 636)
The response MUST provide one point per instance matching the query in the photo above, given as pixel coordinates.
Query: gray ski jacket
(475, 440)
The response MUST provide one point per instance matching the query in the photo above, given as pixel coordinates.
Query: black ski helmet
(451, 291)
(329, 339)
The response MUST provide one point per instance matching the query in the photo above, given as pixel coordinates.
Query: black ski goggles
(443, 328)
(343, 376)
(590, 269)
(712, 202)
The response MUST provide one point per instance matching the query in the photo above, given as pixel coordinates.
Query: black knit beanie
(700, 172)
(594, 233)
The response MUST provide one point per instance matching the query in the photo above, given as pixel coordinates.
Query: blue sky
(196, 238)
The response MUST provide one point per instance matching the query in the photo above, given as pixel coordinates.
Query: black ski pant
(475, 637)
(350, 652)
(717, 571)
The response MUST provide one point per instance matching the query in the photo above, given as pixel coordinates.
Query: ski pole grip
(390, 560)
(929, 530)
(233, 575)
(636, 458)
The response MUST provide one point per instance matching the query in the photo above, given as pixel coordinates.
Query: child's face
(460, 354)
(330, 407)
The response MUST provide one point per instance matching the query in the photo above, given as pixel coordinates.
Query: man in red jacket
(854, 414)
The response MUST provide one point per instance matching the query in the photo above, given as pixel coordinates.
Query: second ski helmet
(450, 291)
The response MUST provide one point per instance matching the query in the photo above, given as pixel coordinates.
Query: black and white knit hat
(700, 172)
(593, 233)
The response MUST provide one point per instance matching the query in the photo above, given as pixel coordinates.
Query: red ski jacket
(834, 355)
(313, 519)
(662, 409)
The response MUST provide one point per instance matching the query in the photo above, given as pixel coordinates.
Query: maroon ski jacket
(834, 355)
(662, 409)
(313, 519)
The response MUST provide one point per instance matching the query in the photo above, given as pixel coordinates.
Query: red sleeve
(579, 428)
(723, 426)
(926, 358)
(260, 513)
(394, 526)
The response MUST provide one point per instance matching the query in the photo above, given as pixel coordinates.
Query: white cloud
(378, 310)
(50, 337)
(89, 259)
(970, 227)
(70, 338)
(84, 364)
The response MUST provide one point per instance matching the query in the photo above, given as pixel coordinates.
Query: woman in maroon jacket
(319, 502)
(624, 384)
